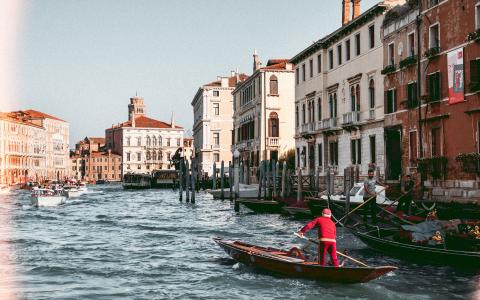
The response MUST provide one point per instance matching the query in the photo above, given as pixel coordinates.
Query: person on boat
(406, 200)
(370, 195)
(327, 235)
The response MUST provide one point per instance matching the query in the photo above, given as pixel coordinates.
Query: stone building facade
(33, 147)
(339, 96)
(446, 153)
(212, 128)
(263, 113)
(145, 144)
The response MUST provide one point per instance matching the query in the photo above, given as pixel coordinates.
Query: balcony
(319, 125)
(273, 142)
(330, 123)
(352, 117)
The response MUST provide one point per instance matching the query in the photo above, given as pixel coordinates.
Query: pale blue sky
(82, 60)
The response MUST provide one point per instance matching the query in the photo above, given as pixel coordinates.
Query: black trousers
(370, 208)
(404, 204)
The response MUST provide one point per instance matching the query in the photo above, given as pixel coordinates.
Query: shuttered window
(475, 75)
(434, 87)
(412, 95)
(391, 97)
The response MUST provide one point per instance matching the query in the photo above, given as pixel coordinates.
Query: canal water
(116, 244)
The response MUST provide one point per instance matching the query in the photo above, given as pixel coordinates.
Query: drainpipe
(419, 86)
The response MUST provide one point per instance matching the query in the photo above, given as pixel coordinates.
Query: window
(311, 67)
(149, 141)
(296, 117)
(391, 101)
(169, 156)
(297, 76)
(413, 146)
(319, 63)
(273, 85)
(436, 142)
(411, 44)
(168, 142)
(371, 36)
(178, 142)
(434, 36)
(139, 156)
(371, 94)
(333, 151)
(319, 109)
(373, 149)
(304, 156)
(391, 54)
(139, 141)
(273, 125)
(303, 72)
(320, 156)
(216, 139)
(216, 157)
(303, 114)
(330, 58)
(412, 95)
(216, 93)
(356, 151)
(475, 75)
(357, 44)
(160, 141)
(148, 155)
(339, 54)
(347, 49)
(477, 16)
(332, 103)
(128, 141)
(434, 87)
(298, 157)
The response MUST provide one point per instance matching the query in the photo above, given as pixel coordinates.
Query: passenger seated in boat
(327, 234)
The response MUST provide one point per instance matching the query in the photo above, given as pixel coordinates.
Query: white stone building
(263, 117)
(339, 95)
(212, 128)
(145, 144)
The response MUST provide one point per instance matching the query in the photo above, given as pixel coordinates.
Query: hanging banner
(456, 87)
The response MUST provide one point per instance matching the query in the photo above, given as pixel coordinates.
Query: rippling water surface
(115, 244)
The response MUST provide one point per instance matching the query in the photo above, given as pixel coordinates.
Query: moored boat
(47, 198)
(164, 179)
(137, 181)
(265, 206)
(280, 262)
(385, 241)
(244, 191)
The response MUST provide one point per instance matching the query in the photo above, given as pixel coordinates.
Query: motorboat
(137, 181)
(47, 197)
(245, 191)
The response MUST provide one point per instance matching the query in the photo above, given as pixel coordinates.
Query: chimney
(356, 9)
(256, 61)
(346, 11)
(172, 121)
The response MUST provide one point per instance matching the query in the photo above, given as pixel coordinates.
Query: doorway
(393, 147)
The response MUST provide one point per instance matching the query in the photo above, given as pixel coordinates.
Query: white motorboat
(72, 191)
(244, 191)
(356, 195)
(4, 189)
(47, 198)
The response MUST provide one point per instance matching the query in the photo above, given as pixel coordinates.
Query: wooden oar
(338, 252)
(365, 202)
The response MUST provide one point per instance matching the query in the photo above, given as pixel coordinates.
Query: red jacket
(327, 231)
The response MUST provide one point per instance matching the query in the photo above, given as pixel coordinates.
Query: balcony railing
(329, 123)
(273, 142)
(319, 125)
(308, 127)
(351, 117)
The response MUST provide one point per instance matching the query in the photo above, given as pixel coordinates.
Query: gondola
(273, 206)
(383, 240)
(279, 262)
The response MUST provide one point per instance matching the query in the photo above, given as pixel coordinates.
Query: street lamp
(236, 156)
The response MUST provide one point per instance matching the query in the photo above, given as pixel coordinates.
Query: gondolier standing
(327, 235)
(370, 195)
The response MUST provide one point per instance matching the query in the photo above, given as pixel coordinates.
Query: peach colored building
(212, 128)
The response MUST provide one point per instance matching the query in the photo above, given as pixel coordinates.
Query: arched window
(312, 111)
(148, 155)
(371, 94)
(160, 141)
(139, 141)
(353, 103)
(273, 130)
(149, 141)
(296, 116)
(309, 119)
(154, 141)
(160, 155)
(273, 85)
(154, 154)
(128, 141)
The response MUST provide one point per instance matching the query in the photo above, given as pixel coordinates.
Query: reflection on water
(8, 288)
(147, 245)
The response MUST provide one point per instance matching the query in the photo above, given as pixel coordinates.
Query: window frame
(371, 36)
(348, 50)
(391, 56)
(409, 46)
(319, 63)
(436, 24)
(310, 64)
(339, 54)
(440, 141)
(358, 44)
(216, 108)
(331, 59)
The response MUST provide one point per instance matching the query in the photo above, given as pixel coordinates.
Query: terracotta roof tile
(145, 122)
(41, 115)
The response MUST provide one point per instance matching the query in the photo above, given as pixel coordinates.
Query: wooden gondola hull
(422, 254)
(269, 260)
(262, 206)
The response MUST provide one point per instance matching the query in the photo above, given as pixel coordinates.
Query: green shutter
(414, 96)
(474, 75)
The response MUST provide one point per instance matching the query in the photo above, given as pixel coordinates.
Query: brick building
(447, 155)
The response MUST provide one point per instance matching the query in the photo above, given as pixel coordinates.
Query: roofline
(329, 39)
